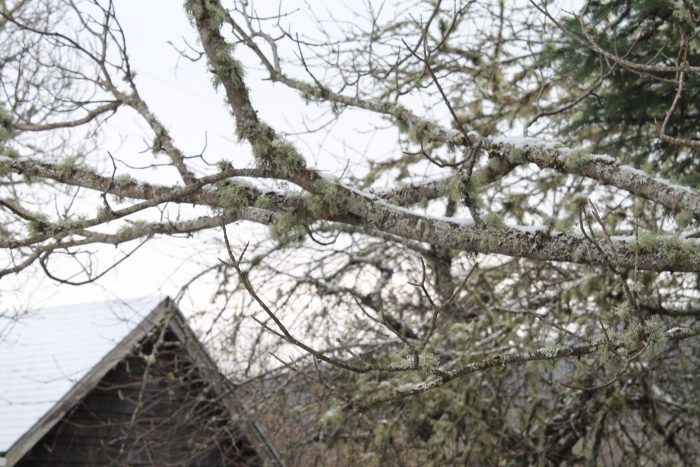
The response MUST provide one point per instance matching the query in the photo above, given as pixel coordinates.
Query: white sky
(181, 95)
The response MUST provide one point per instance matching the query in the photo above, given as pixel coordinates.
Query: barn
(118, 383)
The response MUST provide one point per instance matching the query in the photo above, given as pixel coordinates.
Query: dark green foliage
(628, 110)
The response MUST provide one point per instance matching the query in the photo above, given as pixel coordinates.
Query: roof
(53, 357)
(49, 350)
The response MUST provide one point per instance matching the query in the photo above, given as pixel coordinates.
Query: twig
(436, 310)
(286, 335)
(457, 123)
(617, 375)
(559, 327)
(630, 297)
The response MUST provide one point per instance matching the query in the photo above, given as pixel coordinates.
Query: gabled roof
(53, 358)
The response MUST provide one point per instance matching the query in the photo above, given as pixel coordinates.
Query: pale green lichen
(40, 226)
(333, 415)
(8, 151)
(516, 156)
(378, 209)
(194, 11)
(327, 201)
(124, 180)
(646, 241)
(288, 228)
(5, 167)
(589, 286)
(624, 310)
(577, 255)
(488, 241)
(72, 224)
(428, 363)
(228, 67)
(397, 113)
(66, 166)
(5, 234)
(612, 221)
(637, 287)
(456, 188)
(337, 108)
(688, 13)
(103, 214)
(684, 218)
(550, 352)
(6, 125)
(157, 143)
(494, 220)
(233, 195)
(577, 158)
(265, 203)
(493, 163)
(633, 337)
(655, 330)
(269, 151)
(376, 216)
(479, 178)
(225, 66)
(70, 164)
(675, 247)
(275, 154)
(320, 93)
(609, 355)
(224, 165)
(418, 133)
(141, 187)
(133, 229)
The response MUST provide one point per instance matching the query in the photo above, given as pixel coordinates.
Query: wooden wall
(173, 419)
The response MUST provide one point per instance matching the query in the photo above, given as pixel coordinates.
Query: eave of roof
(166, 309)
(225, 389)
(81, 388)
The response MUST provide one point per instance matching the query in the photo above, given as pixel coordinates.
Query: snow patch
(524, 141)
(622, 238)
(638, 172)
(326, 175)
(663, 181)
(603, 157)
(531, 229)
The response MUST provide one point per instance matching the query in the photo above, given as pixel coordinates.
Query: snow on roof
(47, 351)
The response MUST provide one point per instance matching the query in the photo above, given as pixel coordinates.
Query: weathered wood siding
(179, 422)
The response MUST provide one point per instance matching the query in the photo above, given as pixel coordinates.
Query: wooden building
(121, 383)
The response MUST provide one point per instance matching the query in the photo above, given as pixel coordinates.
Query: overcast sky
(181, 94)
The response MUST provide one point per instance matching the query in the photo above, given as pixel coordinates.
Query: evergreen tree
(626, 114)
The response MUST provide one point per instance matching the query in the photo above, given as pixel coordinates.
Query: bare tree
(438, 270)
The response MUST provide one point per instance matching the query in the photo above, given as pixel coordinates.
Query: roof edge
(225, 389)
(86, 384)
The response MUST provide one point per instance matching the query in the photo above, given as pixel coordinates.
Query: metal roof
(46, 352)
